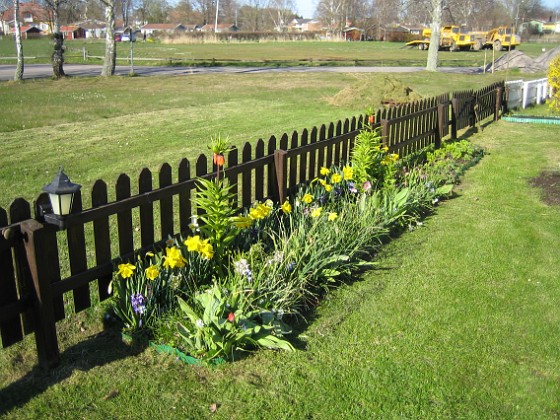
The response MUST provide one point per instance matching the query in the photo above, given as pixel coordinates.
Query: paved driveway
(37, 71)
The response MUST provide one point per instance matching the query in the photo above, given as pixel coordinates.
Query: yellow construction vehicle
(452, 38)
(500, 38)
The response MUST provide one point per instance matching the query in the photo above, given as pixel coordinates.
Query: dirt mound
(373, 91)
(549, 183)
(544, 59)
(515, 60)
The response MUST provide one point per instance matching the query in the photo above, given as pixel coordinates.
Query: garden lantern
(61, 193)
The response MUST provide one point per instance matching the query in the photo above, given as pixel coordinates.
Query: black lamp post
(61, 194)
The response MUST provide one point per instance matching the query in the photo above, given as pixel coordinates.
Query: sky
(306, 8)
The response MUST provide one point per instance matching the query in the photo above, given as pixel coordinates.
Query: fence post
(441, 109)
(454, 117)
(384, 131)
(499, 96)
(42, 256)
(281, 171)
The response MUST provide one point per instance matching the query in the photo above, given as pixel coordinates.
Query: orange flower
(219, 159)
(372, 119)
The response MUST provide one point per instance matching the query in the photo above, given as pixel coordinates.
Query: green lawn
(98, 128)
(251, 53)
(461, 320)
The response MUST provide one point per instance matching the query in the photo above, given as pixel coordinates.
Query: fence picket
(101, 235)
(10, 328)
(78, 256)
(166, 204)
(124, 217)
(185, 209)
(147, 229)
(246, 177)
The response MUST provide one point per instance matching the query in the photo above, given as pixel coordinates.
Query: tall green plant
(372, 163)
(215, 199)
(223, 319)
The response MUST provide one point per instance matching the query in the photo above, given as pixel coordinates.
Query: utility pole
(216, 21)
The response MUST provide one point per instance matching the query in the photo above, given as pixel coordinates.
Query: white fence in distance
(520, 93)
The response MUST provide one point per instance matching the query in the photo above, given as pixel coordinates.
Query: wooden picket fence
(41, 263)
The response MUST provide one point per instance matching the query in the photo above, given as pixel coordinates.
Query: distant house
(551, 27)
(353, 34)
(221, 27)
(304, 25)
(93, 28)
(73, 32)
(29, 32)
(150, 28)
(31, 15)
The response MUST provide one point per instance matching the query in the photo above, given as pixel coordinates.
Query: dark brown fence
(48, 272)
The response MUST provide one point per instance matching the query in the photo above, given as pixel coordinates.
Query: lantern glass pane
(61, 204)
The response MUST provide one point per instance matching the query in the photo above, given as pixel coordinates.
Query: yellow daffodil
(152, 272)
(286, 207)
(174, 258)
(348, 173)
(328, 187)
(126, 270)
(242, 222)
(192, 243)
(332, 216)
(307, 199)
(316, 212)
(324, 171)
(336, 178)
(394, 157)
(206, 249)
(387, 160)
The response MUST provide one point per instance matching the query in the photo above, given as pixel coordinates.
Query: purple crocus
(138, 303)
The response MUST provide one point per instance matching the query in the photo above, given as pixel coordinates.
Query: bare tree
(333, 14)
(433, 50)
(57, 56)
(19, 45)
(109, 61)
(280, 12)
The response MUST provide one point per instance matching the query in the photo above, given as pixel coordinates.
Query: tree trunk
(433, 50)
(58, 53)
(19, 44)
(109, 62)
(58, 56)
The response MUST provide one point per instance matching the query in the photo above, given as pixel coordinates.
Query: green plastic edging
(532, 120)
(162, 348)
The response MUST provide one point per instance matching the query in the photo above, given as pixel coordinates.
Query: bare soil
(549, 183)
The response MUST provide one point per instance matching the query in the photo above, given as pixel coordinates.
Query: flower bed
(238, 280)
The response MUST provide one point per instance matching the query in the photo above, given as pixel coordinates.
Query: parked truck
(452, 38)
(500, 38)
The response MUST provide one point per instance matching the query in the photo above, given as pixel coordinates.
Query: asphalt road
(41, 71)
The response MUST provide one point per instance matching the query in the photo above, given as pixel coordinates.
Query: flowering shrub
(554, 82)
(232, 282)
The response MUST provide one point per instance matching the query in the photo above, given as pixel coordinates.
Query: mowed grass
(460, 320)
(309, 53)
(98, 128)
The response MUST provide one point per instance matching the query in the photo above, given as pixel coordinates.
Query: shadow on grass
(100, 349)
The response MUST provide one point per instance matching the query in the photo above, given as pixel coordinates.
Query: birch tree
(109, 61)
(433, 50)
(19, 43)
(280, 12)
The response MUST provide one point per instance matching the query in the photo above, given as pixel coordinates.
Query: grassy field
(269, 53)
(459, 321)
(98, 128)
